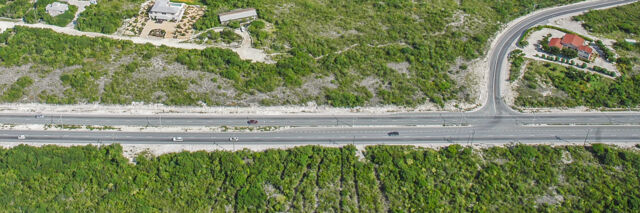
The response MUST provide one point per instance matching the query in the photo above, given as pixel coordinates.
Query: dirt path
(245, 51)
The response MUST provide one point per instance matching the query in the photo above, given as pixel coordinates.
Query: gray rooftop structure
(163, 6)
(166, 10)
(57, 8)
(238, 14)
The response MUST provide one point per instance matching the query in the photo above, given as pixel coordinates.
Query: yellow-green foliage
(306, 179)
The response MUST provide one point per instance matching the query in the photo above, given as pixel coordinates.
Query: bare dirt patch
(401, 67)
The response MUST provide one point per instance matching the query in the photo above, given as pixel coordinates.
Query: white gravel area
(159, 109)
(531, 50)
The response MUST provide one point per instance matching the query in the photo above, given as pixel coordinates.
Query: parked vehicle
(252, 122)
(22, 137)
(393, 133)
(177, 139)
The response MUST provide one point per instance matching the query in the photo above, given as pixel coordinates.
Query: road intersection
(495, 122)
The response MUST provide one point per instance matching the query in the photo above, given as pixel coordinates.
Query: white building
(238, 14)
(57, 8)
(167, 11)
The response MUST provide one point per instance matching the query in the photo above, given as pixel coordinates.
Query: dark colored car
(252, 122)
(393, 133)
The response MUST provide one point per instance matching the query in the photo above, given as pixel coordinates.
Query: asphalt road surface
(495, 122)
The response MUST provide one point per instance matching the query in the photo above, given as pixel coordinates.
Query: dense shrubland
(32, 12)
(305, 179)
(516, 58)
(350, 43)
(618, 23)
(107, 16)
(578, 88)
(17, 90)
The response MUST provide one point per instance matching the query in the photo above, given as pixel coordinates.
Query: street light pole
(586, 137)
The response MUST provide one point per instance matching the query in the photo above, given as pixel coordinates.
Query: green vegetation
(40, 14)
(523, 39)
(228, 36)
(353, 40)
(348, 43)
(569, 87)
(603, 71)
(15, 9)
(259, 36)
(306, 179)
(616, 23)
(35, 12)
(516, 58)
(576, 88)
(107, 16)
(607, 53)
(16, 90)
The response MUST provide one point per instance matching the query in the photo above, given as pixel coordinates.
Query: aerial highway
(495, 122)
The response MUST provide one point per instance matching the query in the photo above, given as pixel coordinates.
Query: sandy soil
(168, 26)
(159, 109)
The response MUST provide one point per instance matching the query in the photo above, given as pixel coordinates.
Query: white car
(233, 139)
(177, 139)
(22, 137)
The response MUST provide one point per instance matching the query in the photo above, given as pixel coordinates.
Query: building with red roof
(575, 42)
(572, 41)
(585, 52)
(555, 42)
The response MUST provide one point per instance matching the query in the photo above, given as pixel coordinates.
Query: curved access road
(495, 105)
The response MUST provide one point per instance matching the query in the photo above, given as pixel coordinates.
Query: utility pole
(586, 137)
(473, 134)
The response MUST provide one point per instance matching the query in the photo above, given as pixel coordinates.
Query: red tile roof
(573, 39)
(585, 49)
(555, 42)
